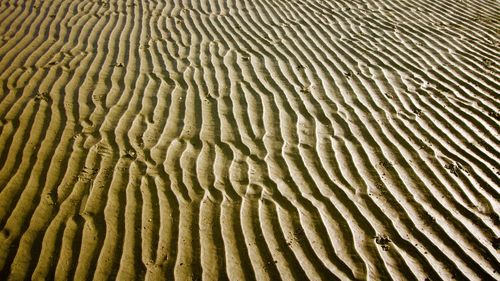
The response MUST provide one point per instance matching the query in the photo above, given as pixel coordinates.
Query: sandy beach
(249, 140)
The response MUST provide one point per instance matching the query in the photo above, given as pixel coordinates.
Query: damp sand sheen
(249, 140)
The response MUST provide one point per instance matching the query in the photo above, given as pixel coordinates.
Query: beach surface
(249, 140)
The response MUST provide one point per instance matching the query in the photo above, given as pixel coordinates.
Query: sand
(249, 140)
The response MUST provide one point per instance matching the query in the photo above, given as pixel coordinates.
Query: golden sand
(249, 140)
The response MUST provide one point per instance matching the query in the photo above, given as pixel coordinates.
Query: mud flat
(249, 140)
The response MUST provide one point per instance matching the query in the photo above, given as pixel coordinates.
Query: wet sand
(249, 140)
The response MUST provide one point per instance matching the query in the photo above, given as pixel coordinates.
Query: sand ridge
(249, 140)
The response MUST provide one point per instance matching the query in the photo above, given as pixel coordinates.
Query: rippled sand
(249, 140)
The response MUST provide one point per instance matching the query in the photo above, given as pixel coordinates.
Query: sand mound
(249, 140)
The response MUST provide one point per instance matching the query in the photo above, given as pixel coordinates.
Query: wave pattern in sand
(249, 140)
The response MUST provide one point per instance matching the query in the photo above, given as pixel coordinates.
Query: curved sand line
(249, 140)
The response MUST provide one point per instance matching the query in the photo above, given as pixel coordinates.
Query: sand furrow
(249, 140)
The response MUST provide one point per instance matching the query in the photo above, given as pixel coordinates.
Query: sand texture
(249, 140)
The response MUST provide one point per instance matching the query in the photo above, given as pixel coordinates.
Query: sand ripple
(249, 140)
